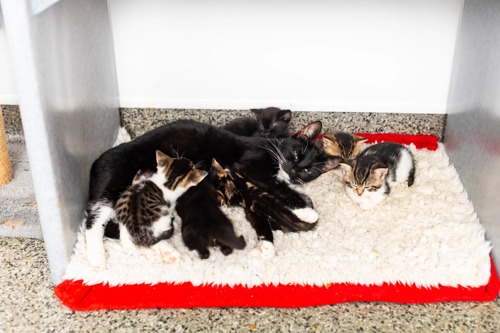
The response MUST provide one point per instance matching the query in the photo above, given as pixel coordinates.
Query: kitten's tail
(227, 237)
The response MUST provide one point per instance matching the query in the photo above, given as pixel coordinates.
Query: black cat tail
(283, 218)
(226, 236)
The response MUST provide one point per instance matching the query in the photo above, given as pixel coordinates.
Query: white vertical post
(63, 63)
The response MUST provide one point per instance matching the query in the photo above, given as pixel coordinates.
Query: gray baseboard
(140, 120)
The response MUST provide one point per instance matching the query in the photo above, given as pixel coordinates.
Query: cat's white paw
(307, 214)
(266, 249)
(167, 252)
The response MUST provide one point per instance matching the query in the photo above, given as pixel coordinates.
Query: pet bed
(422, 244)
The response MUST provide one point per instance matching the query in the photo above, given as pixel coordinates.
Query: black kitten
(268, 162)
(269, 122)
(204, 224)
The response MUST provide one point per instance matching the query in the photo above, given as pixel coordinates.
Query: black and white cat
(368, 177)
(268, 122)
(145, 210)
(268, 162)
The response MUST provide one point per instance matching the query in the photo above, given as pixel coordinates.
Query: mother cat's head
(299, 158)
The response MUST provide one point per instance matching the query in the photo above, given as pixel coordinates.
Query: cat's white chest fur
(283, 176)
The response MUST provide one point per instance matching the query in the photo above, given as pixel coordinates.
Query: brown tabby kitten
(144, 210)
(368, 177)
(345, 145)
(263, 210)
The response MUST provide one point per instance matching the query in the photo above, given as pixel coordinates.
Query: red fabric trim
(78, 296)
(421, 141)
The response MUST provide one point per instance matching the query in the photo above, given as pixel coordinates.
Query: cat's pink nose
(359, 190)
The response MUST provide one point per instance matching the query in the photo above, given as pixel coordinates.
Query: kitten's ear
(216, 165)
(199, 175)
(331, 162)
(162, 159)
(359, 139)
(218, 168)
(310, 132)
(330, 144)
(346, 168)
(256, 111)
(380, 173)
(285, 115)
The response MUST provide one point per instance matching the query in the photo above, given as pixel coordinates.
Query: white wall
(337, 55)
(388, 55)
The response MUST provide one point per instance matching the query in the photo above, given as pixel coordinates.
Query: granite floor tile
(29, 305)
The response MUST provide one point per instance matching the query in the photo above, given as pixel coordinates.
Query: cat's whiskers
(275, 153)
(298, 181)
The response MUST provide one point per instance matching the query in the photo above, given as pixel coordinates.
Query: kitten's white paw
(307, 214)
(266, 249)
(167, 252)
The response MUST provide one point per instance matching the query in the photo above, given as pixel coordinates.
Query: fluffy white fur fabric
(427, 235)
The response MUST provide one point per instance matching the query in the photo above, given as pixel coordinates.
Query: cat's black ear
(310, 132)
(256, 111)
(285, 115)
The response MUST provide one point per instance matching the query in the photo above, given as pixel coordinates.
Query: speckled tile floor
(28, 304)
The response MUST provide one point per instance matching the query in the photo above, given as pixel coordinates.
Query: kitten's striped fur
(345, 145)
(144, 210)
(368, 177)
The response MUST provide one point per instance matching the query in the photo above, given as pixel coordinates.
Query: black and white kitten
(368, 178)
(268, 162)
(268, 122)
(144, 211)
(263, 209)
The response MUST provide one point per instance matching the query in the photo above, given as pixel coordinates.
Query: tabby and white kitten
(368, 178)
(144, 211)
(268, 122)
(345, 145)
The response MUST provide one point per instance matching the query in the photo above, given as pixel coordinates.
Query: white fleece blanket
(426, 235)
